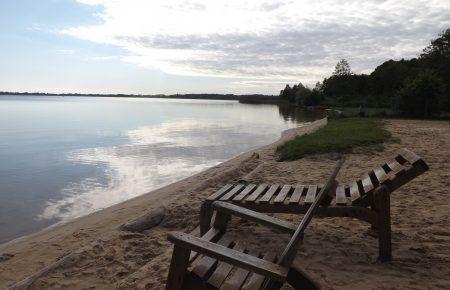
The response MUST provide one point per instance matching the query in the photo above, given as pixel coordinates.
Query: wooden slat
(252, 197)
(223, 269)
(295, 197)
(237, 278)
(236, 189)
(268, 195)
(250, 215)
(409, 156)
(354, 191)
(210, 235)
(227, 255)
(220, 192)
(282, 194)
(245, 192)
(311, 194)
(255, 281)
(380, 174)
(366, 183)
(205, 264)
(340, 195)
(395, 167)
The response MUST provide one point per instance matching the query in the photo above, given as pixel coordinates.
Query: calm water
(64, 157)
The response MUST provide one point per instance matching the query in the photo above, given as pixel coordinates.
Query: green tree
(342, 68)
(437, 57)
(420, 96)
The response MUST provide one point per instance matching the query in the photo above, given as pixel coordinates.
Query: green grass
(339, 136)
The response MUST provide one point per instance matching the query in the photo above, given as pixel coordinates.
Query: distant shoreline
(251, 98)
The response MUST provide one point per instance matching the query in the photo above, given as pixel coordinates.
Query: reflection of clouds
(157, 156)
(131, 170)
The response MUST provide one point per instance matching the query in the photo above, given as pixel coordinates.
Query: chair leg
(383, 207)
(178, 266)
(206, 213)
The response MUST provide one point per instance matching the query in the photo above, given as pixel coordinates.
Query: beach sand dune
(338, 253)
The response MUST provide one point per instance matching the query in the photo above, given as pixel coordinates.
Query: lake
(64, 157)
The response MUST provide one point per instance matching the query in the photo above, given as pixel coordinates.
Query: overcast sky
(214, 46)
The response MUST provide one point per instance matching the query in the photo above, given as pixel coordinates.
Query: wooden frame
(367, 199)
(217, 254)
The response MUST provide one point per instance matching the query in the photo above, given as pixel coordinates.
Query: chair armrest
(251, 215)
(230, 256)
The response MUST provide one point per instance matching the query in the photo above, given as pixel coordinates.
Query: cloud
(265, 41)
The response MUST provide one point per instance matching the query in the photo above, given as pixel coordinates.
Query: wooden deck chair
(216, 261)
(367, 199)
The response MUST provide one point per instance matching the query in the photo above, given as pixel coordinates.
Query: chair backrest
(393, 174)
(289, 252)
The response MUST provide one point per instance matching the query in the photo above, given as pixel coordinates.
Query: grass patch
(338, 136)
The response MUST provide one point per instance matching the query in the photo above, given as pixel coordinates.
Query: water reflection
(155, 156)
(295, 114)
(62, 158)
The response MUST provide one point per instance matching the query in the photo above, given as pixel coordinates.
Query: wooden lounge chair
(367, 199)
(217, 261)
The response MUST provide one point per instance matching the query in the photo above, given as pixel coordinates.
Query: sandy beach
(338, 253)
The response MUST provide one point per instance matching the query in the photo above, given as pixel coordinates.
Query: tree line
(418, 87)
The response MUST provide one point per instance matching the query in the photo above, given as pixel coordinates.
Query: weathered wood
(237, 278)
(311, 194)
(236, 189)
(206, 214)
(289, 252)
(296, 195)
(220, 192)
(252, 197)
(231, 256)
(409, 156)
(248, 189)
(178, 266)
(255, 281)
(354, 191)
(221, 220)
(205, 265)
(211, 236)
(366, 183)
(380, 174)
(395, 167)
(382, 207)
(224, 207)
(268, 195)
(340, 196)
(223, 269)
(282, 194)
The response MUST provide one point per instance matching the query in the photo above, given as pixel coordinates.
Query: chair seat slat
(206, 264)
(248, 189)
(340, 195)
(252, 197)
(236, 189)
(223, 269)
(367, 183)
(220, 192)
(295, 197)
(380, 175)
(255, 281)
(268, 195)
(354, 191)
(311, 194)
(282, 194)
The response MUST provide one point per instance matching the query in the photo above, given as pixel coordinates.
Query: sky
(203, 46)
